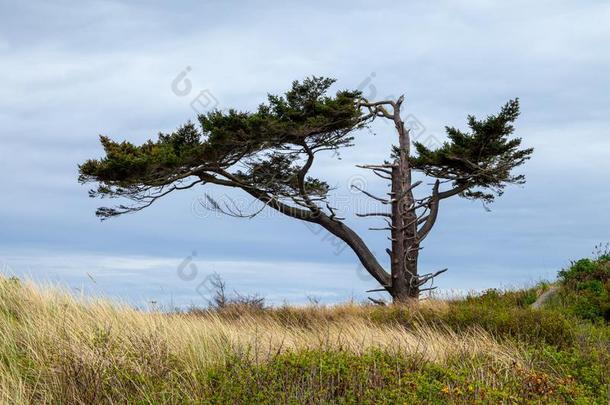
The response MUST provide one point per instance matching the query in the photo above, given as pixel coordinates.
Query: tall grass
(55, 348)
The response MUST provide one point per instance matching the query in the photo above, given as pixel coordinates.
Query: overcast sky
(73, 70)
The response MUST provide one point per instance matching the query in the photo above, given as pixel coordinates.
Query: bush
(524, 324)
(586, 288)
(588, 365)
(321, 376)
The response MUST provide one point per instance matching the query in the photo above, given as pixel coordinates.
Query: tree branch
(450, 193)
(151, 199)
(301, 179)
(337, 228)
(333, 214)
(374, 214)
(270, 201)
(431, 218)
(381, 200)
(421, 280)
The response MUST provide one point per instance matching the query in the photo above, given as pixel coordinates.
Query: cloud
(185, 281)
(70, 72)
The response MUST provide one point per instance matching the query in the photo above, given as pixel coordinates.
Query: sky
(73, 70)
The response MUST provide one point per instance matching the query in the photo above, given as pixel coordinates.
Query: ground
(486, 348)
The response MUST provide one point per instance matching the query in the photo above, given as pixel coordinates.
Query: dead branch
(378, 289)
(382, 166)
(421, 280)
(228, 208)
(378, 302)
(333, 215)
(381, 200)
(431, 218)
(374, 214)
(376, 172)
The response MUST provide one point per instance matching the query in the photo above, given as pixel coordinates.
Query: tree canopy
(479, 164)
(260, 150)
(268, 153)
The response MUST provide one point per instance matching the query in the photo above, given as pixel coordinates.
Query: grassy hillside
(491, 348)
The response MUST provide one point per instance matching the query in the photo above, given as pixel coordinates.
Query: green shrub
(509, 298)
(320, 376)
(584, 271)
(524, 324)
(586, 288)
(586, 364)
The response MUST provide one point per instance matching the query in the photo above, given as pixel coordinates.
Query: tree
(268, 154)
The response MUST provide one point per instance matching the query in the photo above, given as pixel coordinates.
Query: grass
(488, 348)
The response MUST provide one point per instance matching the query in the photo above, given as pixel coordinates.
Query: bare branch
(389, 172)
(381, 200)
(415, 207)
(378, 302)
(301, 179)
(421, 280)
(410, 188)
(150, 199)
(431, 218)
(333, 215)
(377, 290)
(387, 221)
(228, 208)
(374, 214)
(261, 195)
(377, 167)
(376, 172)
(378, 109)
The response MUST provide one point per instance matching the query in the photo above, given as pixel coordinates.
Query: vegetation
(269, 154)
(487, 348)
(586, 288)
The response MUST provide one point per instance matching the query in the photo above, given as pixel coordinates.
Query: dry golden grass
(56, 346)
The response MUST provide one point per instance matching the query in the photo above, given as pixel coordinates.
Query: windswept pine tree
(268, 154)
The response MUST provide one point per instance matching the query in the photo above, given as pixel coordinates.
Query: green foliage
(270, 150)
(483, 158)
(523, 324)
(586, 274)
(319, 376)
(587, 364)
(509, 298)
(505, 314)
(586, 288)
(126, 164)
(268, 143)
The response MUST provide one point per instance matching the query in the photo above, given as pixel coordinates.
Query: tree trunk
(405, 245)
(407, 229)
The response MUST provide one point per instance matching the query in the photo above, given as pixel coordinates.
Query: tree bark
(405, 244)
(356, 243)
